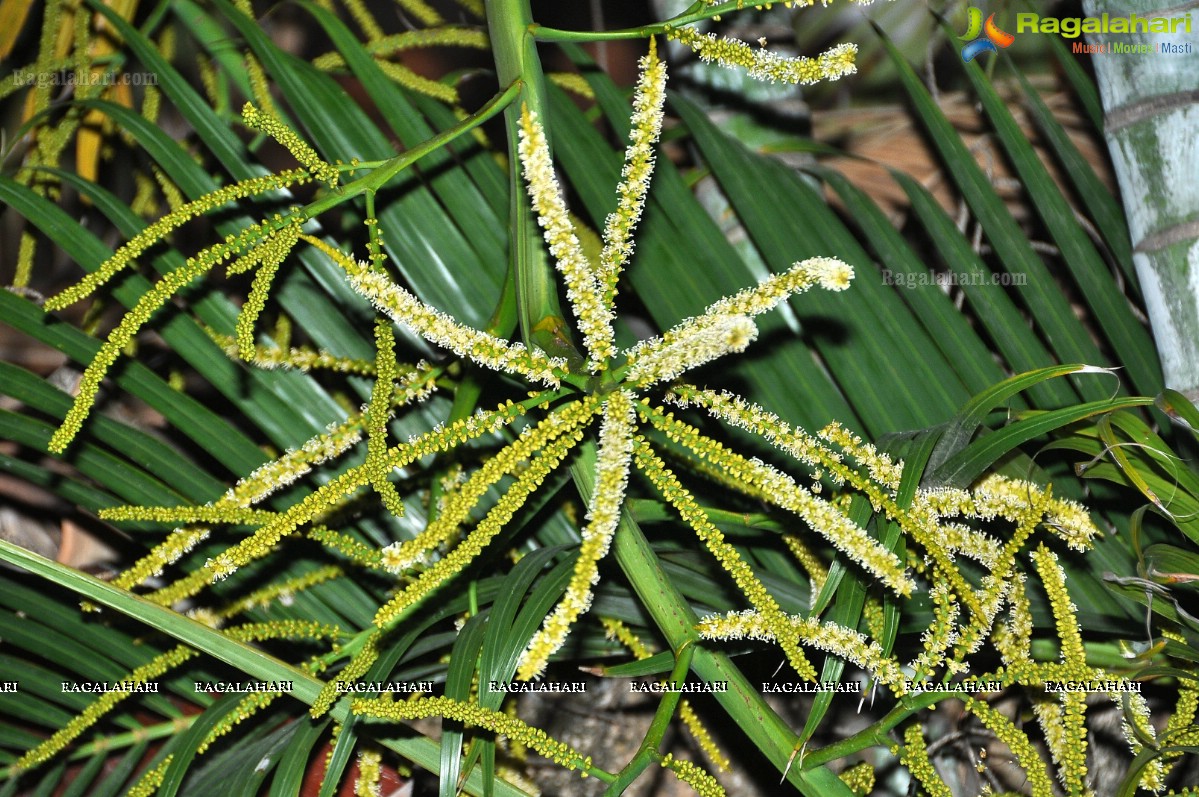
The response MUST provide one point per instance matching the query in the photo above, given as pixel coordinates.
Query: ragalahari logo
(992, 39)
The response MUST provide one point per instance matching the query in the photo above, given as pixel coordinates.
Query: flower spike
(762, 64)
(438, 327)
(648, 100)
(595, 319)
(611, 479)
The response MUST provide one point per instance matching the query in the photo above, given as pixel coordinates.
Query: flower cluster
(497, 722)
(591, 288)
(762, 64)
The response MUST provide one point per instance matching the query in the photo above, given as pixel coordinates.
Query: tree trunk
(1151, 122)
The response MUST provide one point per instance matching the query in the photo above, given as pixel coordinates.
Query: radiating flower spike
(438, 327)
(603, 514)
(270, 253)
(727, 326)
(298, 147)
(762, 64)
(594, 318)
(378, 413)
(649, 97)
(689, 346)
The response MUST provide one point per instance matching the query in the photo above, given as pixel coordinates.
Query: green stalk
(542, 323)
(648, 751)
(875, 735)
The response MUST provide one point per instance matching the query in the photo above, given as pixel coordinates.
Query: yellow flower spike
(879, 466)
(1014, 639)
(364, 18)
(1049, 717)
(422, 11)
(615, 629)
(439, 328)
(761, 64)
(170, 191)
(1153, 776)
(369, 772)
(829, 637)
(859, 778)
(572, 82)
(939, 636)
(1065, 613)
(1000, 496)
(1016, 741)
(206, 513)
(348, 264)
(274, 251)
(1072, 758)
(147, 785)
(282, 591)
(582, 288)
(737, 411)
(120, 338)
(358, 552)
(915, 758)
(398, 456)
(703, 737)
(301, 358)
(177, 218)
(1183, 717)
(883, 475)
(460, 500)
(208, 79)
(247, 707)
(260, 86)
(294, 464)
(603, 515)
(283, 629)
(725, 554)
(690, 345)
(93, 713)
(326, 496)
(649, 97)
(694, 776)
(817, 572)
(829, 273)
(473, 714)
(355, 668)
(977, 545)
(781, 490)
(873, 617)
(169, 551)
(575, 417)
(378, 413)
(475, 7)
(386, 46)
(304, 154)
(419, 83)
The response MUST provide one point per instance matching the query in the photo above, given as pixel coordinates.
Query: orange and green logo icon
(991, 40)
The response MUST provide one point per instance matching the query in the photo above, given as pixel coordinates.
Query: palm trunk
(1151, 122)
